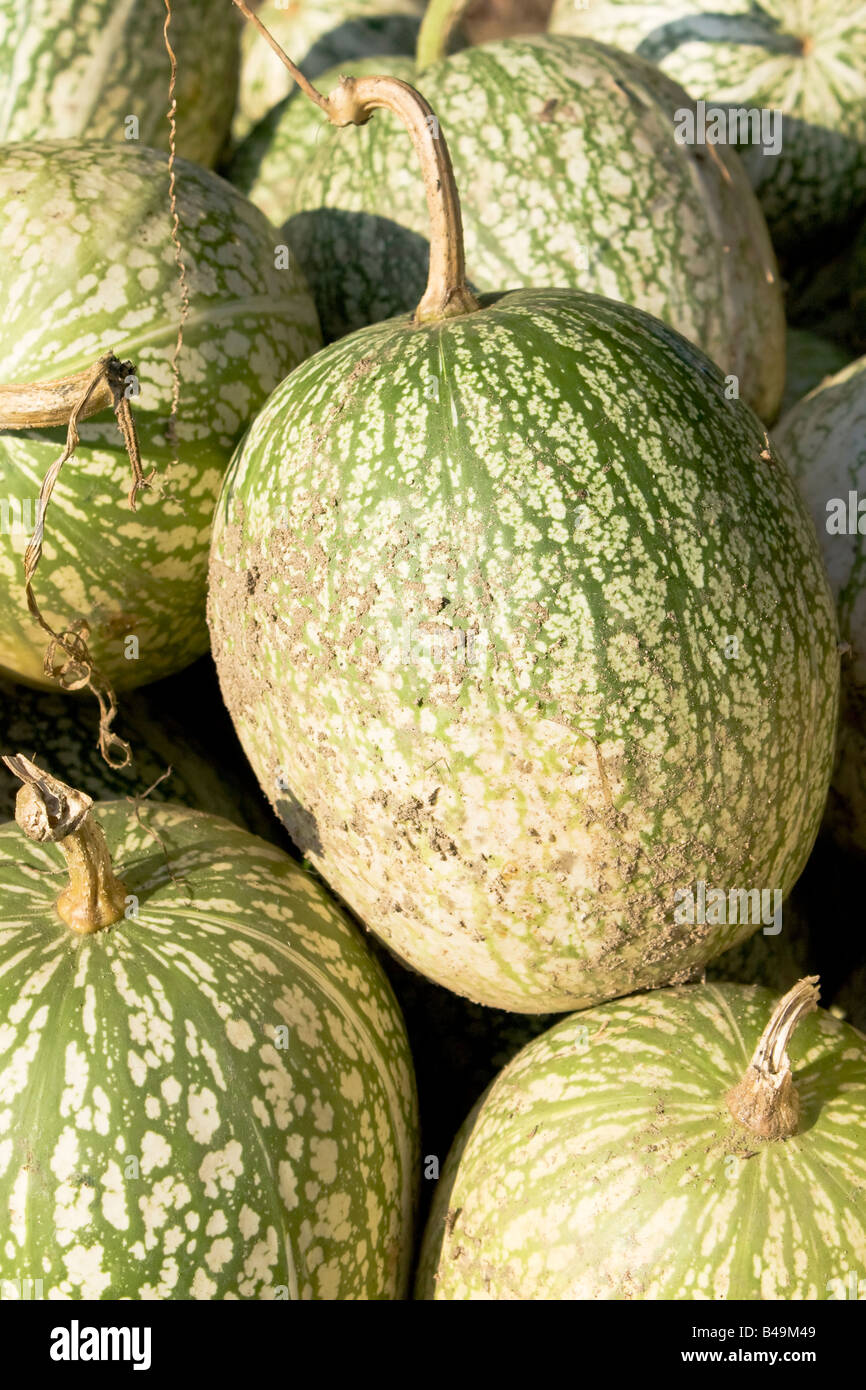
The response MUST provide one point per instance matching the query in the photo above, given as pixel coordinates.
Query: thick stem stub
(766, 1100)
(46, 809)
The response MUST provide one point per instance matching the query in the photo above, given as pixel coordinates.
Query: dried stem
(766, 1100)
(44, 405)
(353, 103)
(175, 232)
(47, 809)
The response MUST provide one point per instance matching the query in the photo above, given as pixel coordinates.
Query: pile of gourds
(492, 414)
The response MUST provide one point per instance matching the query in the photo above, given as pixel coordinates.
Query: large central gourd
(205, 1085)
(524, 628)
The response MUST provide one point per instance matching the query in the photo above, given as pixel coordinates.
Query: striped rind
(569, 174)
(603, 1164)
(823, 440)
(317, 36)
(472, 588)
(88, 267)
(264, 1171)
(806, 60)
(78, 69)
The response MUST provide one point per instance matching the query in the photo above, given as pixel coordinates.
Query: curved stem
(47, 809)
(44, 404)
(352, 103)
(766, 1100)
(441, 18)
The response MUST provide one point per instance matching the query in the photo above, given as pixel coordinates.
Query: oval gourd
(570, 175)
(484, 611)
(318, 35)
(88, 267)
(807, 61)
(823, 441)
(86, 69)
(605, 1162)
(212, 1097)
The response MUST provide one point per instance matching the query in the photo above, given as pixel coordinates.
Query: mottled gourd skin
(265, 1171)
(807, 60)
(603, 1163)
(88, 267)
(569, 175)
(77, 69)
(472, 588)
(317, 36)
(61, 733)
(809, 359)
(823, 441)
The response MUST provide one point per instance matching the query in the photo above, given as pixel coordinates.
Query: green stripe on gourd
(319, 35)
(570, 175)
(809, 359)
(207, 771)
(75, 69)
(213, 1099)
(807, 61)
(823, 440)
(90, 268)
(604, 1163)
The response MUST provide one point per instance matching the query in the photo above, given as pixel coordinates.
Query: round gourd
(89, 267)
(317, 35)
(807, 61)
(87, 69)
(634, 1152)
(570, 175)
(210, 1097)
(179, 724)
(823, 441)
(523, 626)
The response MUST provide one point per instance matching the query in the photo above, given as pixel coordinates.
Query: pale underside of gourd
(262, 1170)
(318, 36)
(93, 271)
(569, 175)
(807, 61)
(604, 1163)
(80, 69)
(823, 441)
(521, 623)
